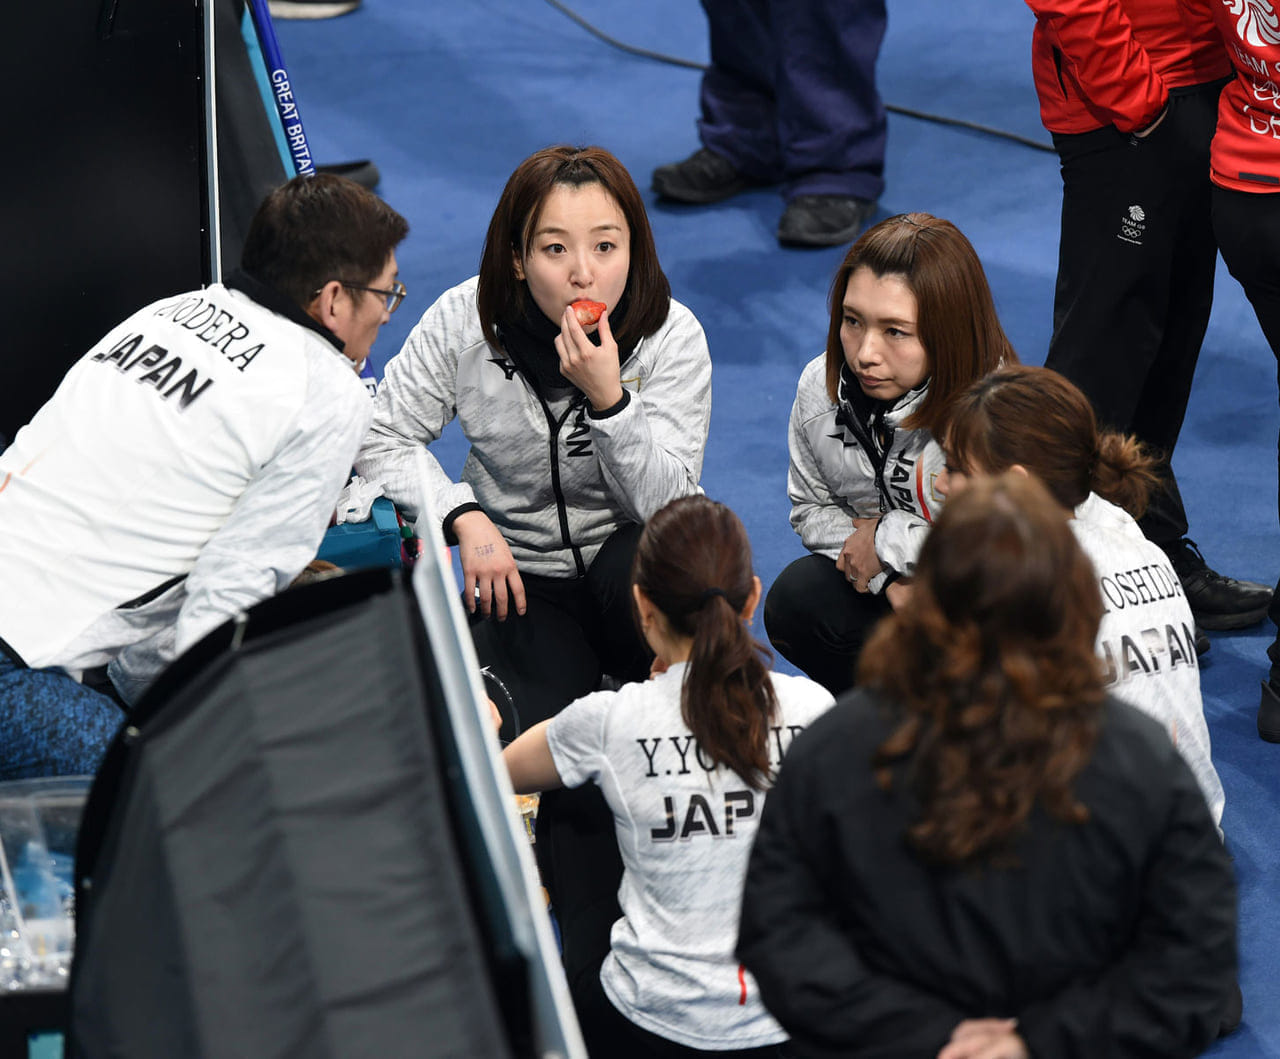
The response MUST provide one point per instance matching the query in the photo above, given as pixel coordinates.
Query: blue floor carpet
(448, 98)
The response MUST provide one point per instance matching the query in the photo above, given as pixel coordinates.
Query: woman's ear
(1017, 468)
(517, 264)
(644, 606)
(753, 600)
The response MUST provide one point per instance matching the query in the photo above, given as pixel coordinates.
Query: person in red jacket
(1129, 90)
(1245, 171)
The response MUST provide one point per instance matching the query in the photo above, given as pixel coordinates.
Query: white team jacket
(191, 460)
(853, 465)
(1147, 637)
(553, 479)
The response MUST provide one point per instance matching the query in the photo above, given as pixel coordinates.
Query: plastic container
(374, 542)
(39, 821)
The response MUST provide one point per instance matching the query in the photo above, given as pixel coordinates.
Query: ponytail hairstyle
(694, 563)
(1041, 420)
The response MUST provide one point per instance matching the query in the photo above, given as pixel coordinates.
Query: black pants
(818, 622)
(611, 1035)
(573, 631)
(578, 859)
(1247, 226)
(1136, 263)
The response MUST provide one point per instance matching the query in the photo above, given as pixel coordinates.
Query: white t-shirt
(684, 834)
(1147, 637)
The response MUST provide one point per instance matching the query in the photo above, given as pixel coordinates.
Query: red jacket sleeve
(1086, 52)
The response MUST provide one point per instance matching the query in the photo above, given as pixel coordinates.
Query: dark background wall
(103, 183)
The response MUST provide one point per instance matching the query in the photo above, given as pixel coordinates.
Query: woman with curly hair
(980, 854)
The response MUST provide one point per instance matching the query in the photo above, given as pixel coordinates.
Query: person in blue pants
(790, 99)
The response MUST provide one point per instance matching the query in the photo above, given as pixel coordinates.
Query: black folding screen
(282, 856)
(104, 179)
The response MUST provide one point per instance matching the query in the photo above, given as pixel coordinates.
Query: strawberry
(587, 311)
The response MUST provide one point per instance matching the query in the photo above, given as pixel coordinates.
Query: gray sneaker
(702, 178)
(363, 172)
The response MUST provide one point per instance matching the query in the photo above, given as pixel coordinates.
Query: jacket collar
(856, 406)
(270, 298)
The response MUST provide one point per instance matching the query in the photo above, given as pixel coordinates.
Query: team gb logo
(1256, 21)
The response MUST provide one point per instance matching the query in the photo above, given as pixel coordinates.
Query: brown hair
(1041, 420)
(501, 296)
(694, 562)
(955, 314)
(314, 229)
(992, 663)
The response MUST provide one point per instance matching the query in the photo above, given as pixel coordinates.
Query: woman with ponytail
(684, 761)
(1037, 422)
(980, 853)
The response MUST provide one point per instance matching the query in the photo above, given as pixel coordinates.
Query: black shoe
(1201, 640)
(702, 178)
(311, 9)
(823, 220)
(1234, 1013)
(363, 172)
(1269, 713)
(1217, 602)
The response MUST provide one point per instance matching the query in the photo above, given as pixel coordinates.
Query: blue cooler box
(374, 542)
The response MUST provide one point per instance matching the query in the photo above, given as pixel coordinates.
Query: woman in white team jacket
(685, 761)
(577, 433)
(912, 322)
(1036, 420)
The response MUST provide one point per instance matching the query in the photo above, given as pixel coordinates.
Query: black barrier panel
(270, 861)
(104, 185)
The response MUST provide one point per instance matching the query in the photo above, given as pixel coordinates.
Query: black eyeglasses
(393, 297)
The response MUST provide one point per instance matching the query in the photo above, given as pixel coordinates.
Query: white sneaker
(311, 8)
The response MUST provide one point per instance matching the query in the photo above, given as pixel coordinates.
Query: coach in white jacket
(186, 467)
